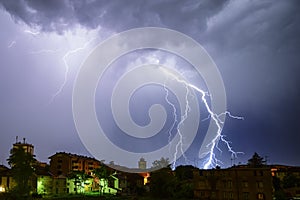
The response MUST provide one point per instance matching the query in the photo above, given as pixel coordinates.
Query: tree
(256, 161)
(102, 174)
(79, 178)
(163, 162)
(278, 191)
(184, 172)
(163, 183)
(184, 187)
(21, 167)
(290, 181)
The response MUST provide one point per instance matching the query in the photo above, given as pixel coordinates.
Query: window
(229, 183)
(245, 184)
(213, 195)
(230, 195)
(246, 195)
(201, 184)
(260, 184)
(224, 184)
(202, 194)
(260, 196)
(261, 173)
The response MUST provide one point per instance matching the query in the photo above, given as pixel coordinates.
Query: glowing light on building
(2, 189)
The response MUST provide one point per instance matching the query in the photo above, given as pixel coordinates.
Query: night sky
(255, 45)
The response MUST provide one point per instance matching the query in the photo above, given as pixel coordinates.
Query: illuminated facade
(6, 181)
(56, 179)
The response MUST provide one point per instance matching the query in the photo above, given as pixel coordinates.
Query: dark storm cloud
(61, 15)
(259, 24)
(259, 42)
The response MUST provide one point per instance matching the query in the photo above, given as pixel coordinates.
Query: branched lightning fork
(65, 57)
(174, 112)
(179, 145)
(212, 160)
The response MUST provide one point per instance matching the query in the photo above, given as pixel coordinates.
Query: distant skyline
(255, 45)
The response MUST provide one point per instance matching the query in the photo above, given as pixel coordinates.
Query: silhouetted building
(234, 183)
(64, 163)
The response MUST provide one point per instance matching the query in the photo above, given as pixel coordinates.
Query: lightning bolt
(179, 145)
(212, 160)
(31, 32)
(67, 67)
(174, 112)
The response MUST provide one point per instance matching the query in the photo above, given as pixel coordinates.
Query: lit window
(260, 196)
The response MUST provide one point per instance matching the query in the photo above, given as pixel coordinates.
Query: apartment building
(63, 163)
(235, 183)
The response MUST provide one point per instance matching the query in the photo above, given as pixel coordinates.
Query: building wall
(6, 183)
(64, 163)
(233, 183)
(44, 185)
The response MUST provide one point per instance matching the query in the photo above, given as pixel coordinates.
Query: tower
(28, 148)
(142, 164)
